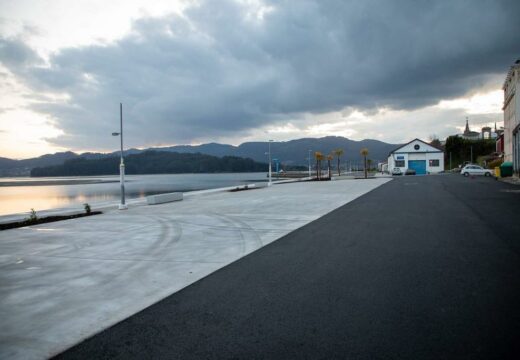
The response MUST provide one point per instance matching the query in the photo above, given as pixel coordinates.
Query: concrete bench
(163, 198)
(243, 187)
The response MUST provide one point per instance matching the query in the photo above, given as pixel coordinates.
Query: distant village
(490, 147)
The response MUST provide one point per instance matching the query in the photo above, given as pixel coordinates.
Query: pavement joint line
(227, 228)
(107, 259)
(269, 219)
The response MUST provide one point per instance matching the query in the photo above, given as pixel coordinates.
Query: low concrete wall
(164, 198)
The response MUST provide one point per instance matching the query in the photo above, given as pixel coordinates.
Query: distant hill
(6, 163)
(10, 167)
(293, 152)
(213, 149)
(152, 162)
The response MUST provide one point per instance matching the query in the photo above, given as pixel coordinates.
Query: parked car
(475, 170)
(396, 171)
(409, 172)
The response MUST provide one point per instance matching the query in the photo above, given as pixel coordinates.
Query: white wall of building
(435, 156)
(425, 152)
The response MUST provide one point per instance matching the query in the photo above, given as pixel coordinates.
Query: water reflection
(21, 194)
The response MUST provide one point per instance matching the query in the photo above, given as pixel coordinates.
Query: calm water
(21, 194)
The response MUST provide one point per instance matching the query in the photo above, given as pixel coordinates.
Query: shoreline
(55, 182)
(92, 179)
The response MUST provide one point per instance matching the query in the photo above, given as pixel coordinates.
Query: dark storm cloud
(219, 70)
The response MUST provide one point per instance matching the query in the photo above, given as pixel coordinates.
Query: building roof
(467, 130)
(471, 133)
(408, 143)
(516, 65)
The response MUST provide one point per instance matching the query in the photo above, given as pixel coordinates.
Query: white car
(475, 170)
(396, 171)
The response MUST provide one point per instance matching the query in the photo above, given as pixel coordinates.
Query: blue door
(418, 165)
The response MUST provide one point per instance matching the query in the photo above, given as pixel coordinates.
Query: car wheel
(466, 174)
(486, 174)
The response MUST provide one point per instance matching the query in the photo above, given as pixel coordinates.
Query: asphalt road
(420, 268)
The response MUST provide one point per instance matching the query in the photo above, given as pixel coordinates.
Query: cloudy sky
(190, 72)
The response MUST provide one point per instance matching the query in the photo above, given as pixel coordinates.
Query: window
(416, 147)
(399, 163)
(434, 163)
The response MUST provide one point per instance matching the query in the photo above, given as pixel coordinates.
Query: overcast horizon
(229, 72)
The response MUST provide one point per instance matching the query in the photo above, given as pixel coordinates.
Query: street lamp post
(310, 162)
(270, 171)
(122, 205)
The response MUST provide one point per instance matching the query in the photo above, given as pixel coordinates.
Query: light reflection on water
(16, 199)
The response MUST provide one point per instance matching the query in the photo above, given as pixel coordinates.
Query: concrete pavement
(63, 282)
(420, 268)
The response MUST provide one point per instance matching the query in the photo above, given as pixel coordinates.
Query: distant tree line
(152, 162)
(461, 149)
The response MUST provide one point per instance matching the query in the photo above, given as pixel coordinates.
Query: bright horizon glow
(23, 133)
(480, 103)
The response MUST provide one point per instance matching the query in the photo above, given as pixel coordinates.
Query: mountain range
(293, 152)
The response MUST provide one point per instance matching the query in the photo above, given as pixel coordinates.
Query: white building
(512, 117)
(417, 155)
(485, 133)
(470, 135)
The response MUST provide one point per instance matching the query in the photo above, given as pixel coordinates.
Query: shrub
(88, 210)
(32, 216)
(493, 164)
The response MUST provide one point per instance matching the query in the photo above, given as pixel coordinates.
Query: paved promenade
(420, 268)
(65, 281)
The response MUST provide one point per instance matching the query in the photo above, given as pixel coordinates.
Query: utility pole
(310, 162)
(270, 171)
(471, 148)
(122, 205)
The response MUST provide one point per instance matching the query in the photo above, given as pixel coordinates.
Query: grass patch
(34, 220)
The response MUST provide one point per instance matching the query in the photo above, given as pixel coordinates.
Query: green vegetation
(330, 157)
(88, 210)
(152, 162)
(461, 149)
(364, 153)
(32, 216)
(495, 163)
(35, 220)
(319, 158)
(338, 153)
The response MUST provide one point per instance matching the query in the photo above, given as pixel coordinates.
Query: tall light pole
(310, 162)
(270, 172)
(122, 205)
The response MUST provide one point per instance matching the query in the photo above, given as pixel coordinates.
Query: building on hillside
(470, 135)
(512, 117)
(485, 133)
(417, 155)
